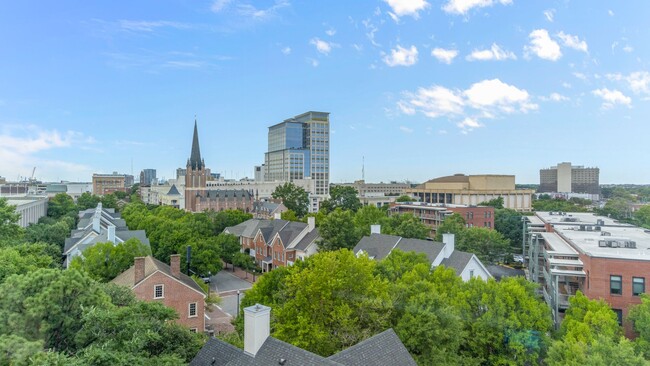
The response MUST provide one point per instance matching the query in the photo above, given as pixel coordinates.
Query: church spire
(195, 157)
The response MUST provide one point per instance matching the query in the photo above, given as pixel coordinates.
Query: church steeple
(195, 158)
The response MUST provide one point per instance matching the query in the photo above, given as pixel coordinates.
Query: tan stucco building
(460, 189)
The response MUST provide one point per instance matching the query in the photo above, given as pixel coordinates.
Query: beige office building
(471, 190)
(567, 178)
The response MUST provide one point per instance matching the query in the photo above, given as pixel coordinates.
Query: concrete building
(260, 349)
(387, 189)
(109, 183)
(147, 176)
(471, 190)
(261, 190)
(601, 257)
(154, 281)
(567, 178)
(433, 214)
(378, 246)
(276, 243)
(30, 208)
(198, 198)
(299, 148)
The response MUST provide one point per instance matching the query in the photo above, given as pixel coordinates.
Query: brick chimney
(257, 326)
(175, 264)
(139, 269)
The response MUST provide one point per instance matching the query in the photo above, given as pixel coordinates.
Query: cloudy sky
(420, 88)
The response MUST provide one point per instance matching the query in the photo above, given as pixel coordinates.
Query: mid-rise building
(198, 198)
(471, 190)
(109, 183)
(601, 257)
(299, 148)
(373, 189)
(30, 208)
(147, 176)
(432, 215)
(567, 178)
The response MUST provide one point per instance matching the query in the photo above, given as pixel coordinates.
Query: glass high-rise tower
(299, 148)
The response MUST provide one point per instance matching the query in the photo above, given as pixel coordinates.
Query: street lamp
(237, 304)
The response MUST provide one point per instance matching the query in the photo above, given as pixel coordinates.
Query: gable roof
(273, 350)
(307, 239)
(458, 261)
(431, 248)
(377, 246)
(173, 191)
(381, 349)
(151, 265)
(216, 351)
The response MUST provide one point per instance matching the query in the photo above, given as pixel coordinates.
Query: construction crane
(33, 171)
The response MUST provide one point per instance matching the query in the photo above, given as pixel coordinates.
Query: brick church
(198, 198)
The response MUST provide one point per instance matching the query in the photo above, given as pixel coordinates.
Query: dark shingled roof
(308, 239)
(499, 272)
(173, 191)
(273, 350)
(195, 157)
(384, 349)
(431, 248)
(228, 193)
(457, 260)
(220, 351)
(377, 245)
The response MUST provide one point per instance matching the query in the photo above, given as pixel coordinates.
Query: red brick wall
(176, 296)
(478, 216)
(597, 286)
(279, 249)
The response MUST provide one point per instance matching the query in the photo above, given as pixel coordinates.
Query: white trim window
(159, 292)
(192, 310)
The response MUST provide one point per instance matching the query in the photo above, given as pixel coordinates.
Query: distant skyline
(420, 88)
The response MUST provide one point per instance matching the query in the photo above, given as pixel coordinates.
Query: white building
(30, 208)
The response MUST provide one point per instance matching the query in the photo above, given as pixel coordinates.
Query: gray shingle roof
(173, 191)
(273, 350)
(377, 245)
(308, 239)
(431, 248)
(384, 349)
(151, 265)
(499, 272)
(220, 351)
(457, 260)
(227, 193)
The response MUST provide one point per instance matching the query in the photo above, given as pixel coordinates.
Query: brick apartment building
(153, 280)
(109, 183)
(433, 215)
(601, 257)
(276, 243)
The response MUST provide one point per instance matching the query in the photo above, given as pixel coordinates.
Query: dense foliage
(490, 246)
(293, 197)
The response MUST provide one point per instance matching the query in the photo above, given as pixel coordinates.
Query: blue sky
(420, 88)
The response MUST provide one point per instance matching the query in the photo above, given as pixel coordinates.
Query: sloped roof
(384, 349)
(431, 248)
(173, 191)
(195, 156)
(457, 178)
(307, 239)
(458, 261)
(216, 353)
(499, 272)
(227, 193)
(377, 245)
(151, 265)
(273, 350)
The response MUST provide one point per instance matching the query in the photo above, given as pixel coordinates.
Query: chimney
(311, 223)
(277, 215)
(139, 269)
(175, 264)
(375, 229)
(257, 326)
(449, 240)
(111, 234)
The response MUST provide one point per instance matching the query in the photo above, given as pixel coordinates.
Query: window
(619, 316)
(471, 273)
(193, 330)
(159, 291)
(638, 286)
(615, 285)
(192, 310)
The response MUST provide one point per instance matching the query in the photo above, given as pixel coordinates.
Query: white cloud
(407, 7)
(580, 75)
(566, 85)
(219, 5)
(462, 7)
(371, 29)
(611, 13)
(543, 46)
(313, 61)
(150, 26)
(286, 50)
(495, 53)
(639, 81)
(573, 42)
(323, 47)
(549, 14)
(628, 48)
(250, 11)
(406, 129)
(330, 32)
(401, 56)
(487, 99)
(468, 124)
(611, 97)
(555, 97)
(357, 47)
(443, 55)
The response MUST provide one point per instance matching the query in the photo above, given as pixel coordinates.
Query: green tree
(293, 197)
(404, 198)
(60, 205)
(87, 200)
(497, 203)
(407, 226)
(24, 258)
(601, 351)
(104, 261)
(453, 224)
(343, 197)
(120, 195)
(642, 216)
(289, 216)
(52, 234)
(367, 216)
(47, 305)
(109, 201)
(639, 315)
(9, 228)
(206, 255)
(508, 223)
(229, 245)
(398, 263)
(332, 302)
(244, 261)
(488, 245)
(226, 218)
(338, 231)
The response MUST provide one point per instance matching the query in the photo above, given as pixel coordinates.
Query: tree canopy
(105, 261)
(343, 197)
(293, 197)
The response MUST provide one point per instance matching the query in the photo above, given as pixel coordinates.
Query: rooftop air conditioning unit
(602, 243)
(615, 244)
(630, 244)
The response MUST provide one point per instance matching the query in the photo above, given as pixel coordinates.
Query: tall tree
(229, 246)
(367, 216)
(342, 197)
(497, 203)
(293, 197)
(407, 226)
(338, 231)
(453, 224)
(488, 245)
(104, 261)
(60, 205)
(9, 228)
(508, 223)
(639, 315)
(87, 200)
